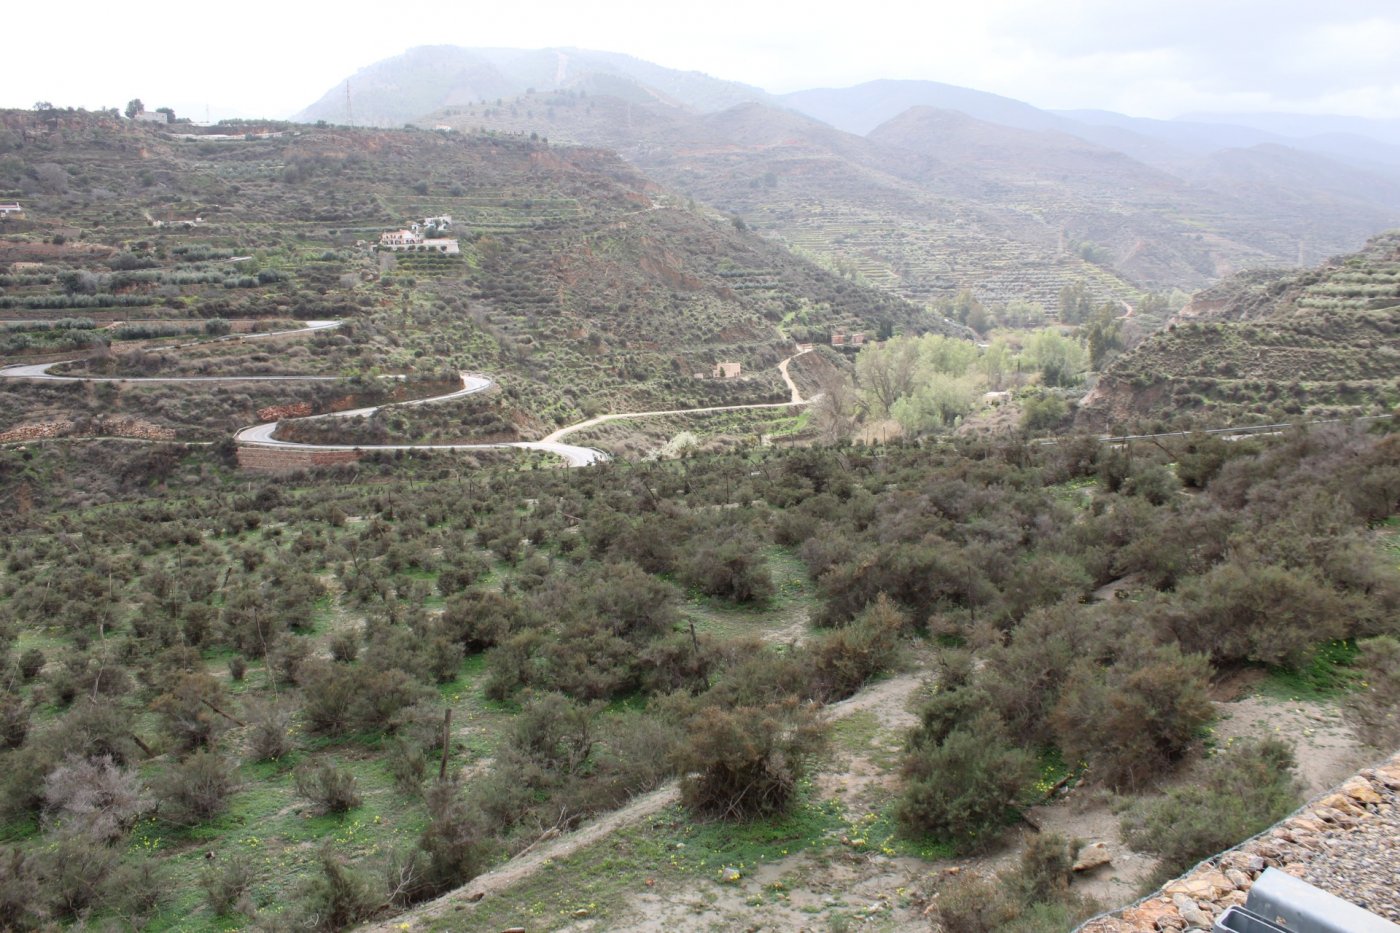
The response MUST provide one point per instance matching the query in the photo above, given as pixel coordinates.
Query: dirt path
(796, 399)
(887, 699)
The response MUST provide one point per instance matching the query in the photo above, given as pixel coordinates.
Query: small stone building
(727, 370)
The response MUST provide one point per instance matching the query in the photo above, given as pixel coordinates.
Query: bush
(345, 646)
(965, 789)
(328, 785)
(844, 660)
(1241, 611)
(1374, 709)
(94, 799)
(339, 897)
(186, 714)
(1240, 791)
(22, 905)
(1132, 720)
(974, 904)
(408, 763)
(196, 789)
(455, 841)
(227, 885)
(1034, 897)
(728, 565)
(269, 731)
(746, 762)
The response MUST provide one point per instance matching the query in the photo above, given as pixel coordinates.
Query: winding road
(261, 435)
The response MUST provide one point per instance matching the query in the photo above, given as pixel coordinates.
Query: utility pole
(349, 114)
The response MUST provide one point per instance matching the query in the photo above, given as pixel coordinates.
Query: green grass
(1328, 675)
(597, 880)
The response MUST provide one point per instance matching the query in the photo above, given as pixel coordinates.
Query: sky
(1152, 58)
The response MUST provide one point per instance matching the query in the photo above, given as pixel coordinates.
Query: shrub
(1239, 792)
(408, 763)
(1133, 719)
(1374, 709)
(14, 721)
(1033, 897)
(345, 646)
(728, 565)
(338, 897)
(22, 904)
(186, 714)
(974, 904)
(328, 785)
(455, 841)
(269, 731)
(843, 661)
(1242, 611)
(196, 789)
(94, 799)
(746, 762)
(31, 662)
(227, 885)
(965, 789)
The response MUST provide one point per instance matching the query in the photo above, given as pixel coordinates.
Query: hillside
(1277, 346)
(936, 200)
(580, 285)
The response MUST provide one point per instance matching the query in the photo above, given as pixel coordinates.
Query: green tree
(1060, 359)
(1075, 303)
(133, 107)
(1103, 334)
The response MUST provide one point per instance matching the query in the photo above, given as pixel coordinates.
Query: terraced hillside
(582, 286)
(1317, 343)
(934, 201)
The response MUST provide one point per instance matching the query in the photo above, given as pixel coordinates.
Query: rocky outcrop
(102, 427)
(1346, 842)
(278, 412)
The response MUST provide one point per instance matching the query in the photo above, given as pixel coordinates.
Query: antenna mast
(349, 114)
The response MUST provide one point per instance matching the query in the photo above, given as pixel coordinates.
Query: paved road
(261, 435)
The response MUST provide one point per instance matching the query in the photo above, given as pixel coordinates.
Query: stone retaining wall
(289, 459)
(1346, 842)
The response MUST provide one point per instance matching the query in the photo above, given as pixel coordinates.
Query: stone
(1191, 913)
(1361, 791)
(1150, 915)
(1238, 878)
(1344, 803)
(1333, 815)
(1234, 899)
(1092, 856)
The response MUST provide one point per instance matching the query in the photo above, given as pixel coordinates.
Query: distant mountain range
(926, 188)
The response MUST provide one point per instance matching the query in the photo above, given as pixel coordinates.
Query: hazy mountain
(396, 90)
(1304, 125)
(920, 187)
(861, 108)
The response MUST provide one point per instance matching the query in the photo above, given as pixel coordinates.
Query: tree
(1075, 303)
(1103, 334)
(887, 372)
(1060, 359)
(133, 107)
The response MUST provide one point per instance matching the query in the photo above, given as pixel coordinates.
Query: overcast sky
(1156, 58)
